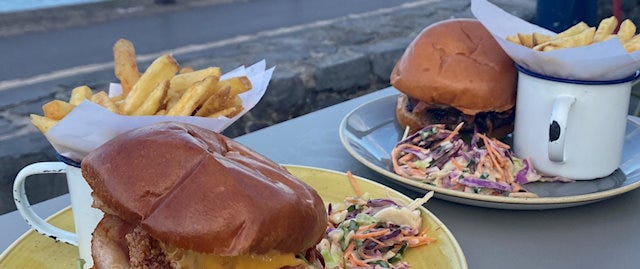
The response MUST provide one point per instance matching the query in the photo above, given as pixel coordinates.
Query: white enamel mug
(85, 217)
(571, 128)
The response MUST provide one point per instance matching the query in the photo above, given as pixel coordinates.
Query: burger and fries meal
(163, 89)
(582, 35)
(457, 98)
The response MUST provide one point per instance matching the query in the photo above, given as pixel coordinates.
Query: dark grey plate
(370, 132)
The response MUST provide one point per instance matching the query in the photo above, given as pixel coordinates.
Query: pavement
(318, 64)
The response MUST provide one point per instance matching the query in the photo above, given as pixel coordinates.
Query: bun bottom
(498, 128)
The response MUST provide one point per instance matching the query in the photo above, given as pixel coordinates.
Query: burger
(180, 196)
(454, 71)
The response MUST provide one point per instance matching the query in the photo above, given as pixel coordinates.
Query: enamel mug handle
(558, 127)
(24, 207)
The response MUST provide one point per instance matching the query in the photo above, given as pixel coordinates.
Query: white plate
(370, 131)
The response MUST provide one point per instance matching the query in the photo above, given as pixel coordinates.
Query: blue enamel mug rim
(633, 77)
(67, 160)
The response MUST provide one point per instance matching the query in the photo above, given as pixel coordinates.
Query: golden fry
(229, 112)
(526, 40)
(234, 108)
(79, 94)
(238, 85)
(102, 99)
(125, 64)
(57, 109)
(627, 31)
(43, 124)
(161, 112)
(539, 38)
(186, 69)
(633, 44)
(216, 102)
(573, 30)
(163, 68)
(605, 28)
(193, 97)
(154, 101)
(181, 82)
(118, 98)
(514, 39)
(582, 39)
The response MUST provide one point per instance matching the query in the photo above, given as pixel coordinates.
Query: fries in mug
(582, 35)
(162, 89)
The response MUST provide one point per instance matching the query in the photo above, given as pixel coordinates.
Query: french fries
(162, 89)
(193, 97)
(79, 94)
(627, 31)
(163, 68)
(238, 85)
(151, 105)
(57, 109)
(605, 28)
(581, 35)
(43, 124)
(125, 64)
(102, 98)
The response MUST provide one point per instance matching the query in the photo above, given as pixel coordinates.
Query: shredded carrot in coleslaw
(372, 233)
(437, 156)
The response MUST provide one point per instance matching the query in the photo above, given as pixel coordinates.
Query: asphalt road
(60, 52)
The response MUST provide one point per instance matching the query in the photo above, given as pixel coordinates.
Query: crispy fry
(118, 98)
(626, 31)
(514, 39)
(163, 68)
(216, 102)
(238, 84)
(125, 64)
(181, 82)
(79, 94)
(633, 44)
(573, 30)
(161, 112)
(526, 40)
(539, 38)
(229, 112)
(102, 99)
(193, 97)
(582, 39)
(605, 28)
(57, 109)
(154, 101)
(234, 109)
(186, 69)
(43, 124)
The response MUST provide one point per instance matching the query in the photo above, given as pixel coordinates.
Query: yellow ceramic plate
(33, 250)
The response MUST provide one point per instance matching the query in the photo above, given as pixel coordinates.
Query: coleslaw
(437, 156)
(372, 233)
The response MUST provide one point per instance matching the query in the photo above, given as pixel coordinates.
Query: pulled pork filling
(485, 122)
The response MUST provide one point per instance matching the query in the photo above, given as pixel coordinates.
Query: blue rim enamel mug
(571, 128)
(85, 217)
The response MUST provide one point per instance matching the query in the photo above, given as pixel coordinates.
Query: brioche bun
(196, 190)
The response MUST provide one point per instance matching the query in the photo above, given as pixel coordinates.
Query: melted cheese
(186, 259)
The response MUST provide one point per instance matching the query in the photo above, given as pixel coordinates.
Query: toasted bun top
(198, 190)
(457, 63)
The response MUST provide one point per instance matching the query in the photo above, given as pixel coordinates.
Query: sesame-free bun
(195, 189)
(457, 63)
